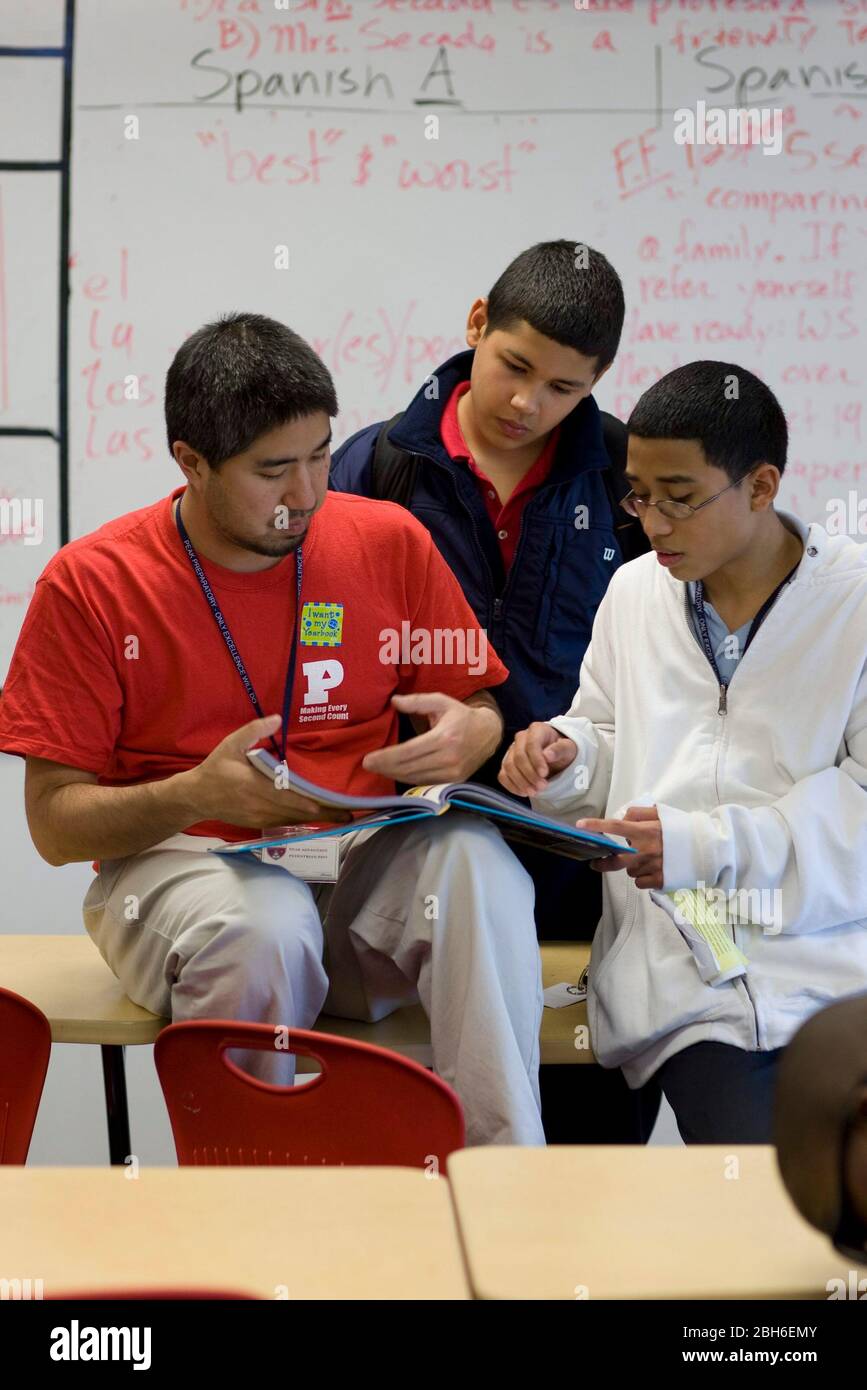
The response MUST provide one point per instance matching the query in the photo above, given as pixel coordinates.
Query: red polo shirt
(78, 693)
(505, 516)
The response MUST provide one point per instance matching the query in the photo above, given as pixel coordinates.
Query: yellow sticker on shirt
(322, 624)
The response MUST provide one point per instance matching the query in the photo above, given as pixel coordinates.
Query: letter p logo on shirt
(321, 676)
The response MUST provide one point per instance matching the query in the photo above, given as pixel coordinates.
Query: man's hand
(642, 829)
(226, 786)
(537, 754)
(462, 736)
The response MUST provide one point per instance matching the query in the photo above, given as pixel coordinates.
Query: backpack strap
(393, 471)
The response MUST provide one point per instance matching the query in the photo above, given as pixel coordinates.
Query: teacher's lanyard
(233, 650)
(754, 627)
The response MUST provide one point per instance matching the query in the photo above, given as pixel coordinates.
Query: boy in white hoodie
(720, 727)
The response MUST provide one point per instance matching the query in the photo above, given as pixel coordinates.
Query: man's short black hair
(579, 305)
(239, 377)
(736, 418)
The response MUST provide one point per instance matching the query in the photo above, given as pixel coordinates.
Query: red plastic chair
(25, 1046)
(366, 1106)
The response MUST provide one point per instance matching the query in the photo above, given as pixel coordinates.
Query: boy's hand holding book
(537, 754)
(641, 828)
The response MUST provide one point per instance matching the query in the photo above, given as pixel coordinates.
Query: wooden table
(632, 1222)
(329, 1233)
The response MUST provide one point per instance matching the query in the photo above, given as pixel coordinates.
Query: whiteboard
(31, 23)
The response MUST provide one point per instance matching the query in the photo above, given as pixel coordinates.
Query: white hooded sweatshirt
(769, 795)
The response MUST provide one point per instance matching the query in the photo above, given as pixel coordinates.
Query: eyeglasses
(668, 507)
(850, 1237)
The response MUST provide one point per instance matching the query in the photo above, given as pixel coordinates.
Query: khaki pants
(440, 912)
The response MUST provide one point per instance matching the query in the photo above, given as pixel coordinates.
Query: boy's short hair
(735, 417)
(239, 377)
(581, 307)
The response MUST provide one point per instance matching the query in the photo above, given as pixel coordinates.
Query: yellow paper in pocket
(703, 925)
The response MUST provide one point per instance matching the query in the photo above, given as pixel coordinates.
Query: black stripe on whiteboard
(30, 166)
(61, 166)
(8, 52)
(63, 275)
(25, 432)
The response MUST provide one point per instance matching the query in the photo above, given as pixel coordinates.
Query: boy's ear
(477, 320)
(764, 486)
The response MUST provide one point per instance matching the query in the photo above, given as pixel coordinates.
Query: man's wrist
(492, 721)
(187, 796)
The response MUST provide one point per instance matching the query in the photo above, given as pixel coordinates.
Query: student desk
(296, 1233)
(634, 1222)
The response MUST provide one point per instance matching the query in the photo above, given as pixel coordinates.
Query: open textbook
(516, 821)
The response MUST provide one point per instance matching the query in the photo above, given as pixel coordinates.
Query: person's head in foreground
(707, 448)
(248, 407)
(820, 1123)
(547, 332)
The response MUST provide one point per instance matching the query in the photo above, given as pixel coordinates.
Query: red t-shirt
(505, 516)
(121, 670)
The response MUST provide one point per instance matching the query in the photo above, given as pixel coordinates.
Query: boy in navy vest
(505, 457)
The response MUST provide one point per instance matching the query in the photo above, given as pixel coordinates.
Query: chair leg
(116, 1111)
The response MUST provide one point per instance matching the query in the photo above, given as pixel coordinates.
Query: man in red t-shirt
(149, 642)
